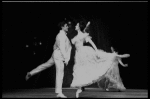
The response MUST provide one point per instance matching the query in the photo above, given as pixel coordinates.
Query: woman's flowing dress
(111, 81)
(88, 68)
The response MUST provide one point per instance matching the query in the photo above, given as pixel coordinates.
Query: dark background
(121, 25)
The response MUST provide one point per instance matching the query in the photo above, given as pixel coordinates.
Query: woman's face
(77, 27)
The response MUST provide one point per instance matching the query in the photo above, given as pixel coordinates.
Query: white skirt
(88, 68)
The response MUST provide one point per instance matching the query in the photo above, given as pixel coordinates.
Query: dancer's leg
(40, 68)
(79, 90)
(59, 78)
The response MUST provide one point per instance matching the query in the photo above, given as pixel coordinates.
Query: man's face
(65, 27)
(77, 27)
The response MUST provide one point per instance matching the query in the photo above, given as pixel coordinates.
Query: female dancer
(90, 63)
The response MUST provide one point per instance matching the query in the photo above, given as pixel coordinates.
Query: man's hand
(67, 57)
(66, 61)
(28, 76)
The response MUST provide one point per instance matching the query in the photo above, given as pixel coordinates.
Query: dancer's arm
(125, 65)
(88, 39)
(86, 26)
(112, 49)
(62, 45)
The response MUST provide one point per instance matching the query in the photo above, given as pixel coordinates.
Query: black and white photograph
(74, 49)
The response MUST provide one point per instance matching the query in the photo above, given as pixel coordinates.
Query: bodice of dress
(79, 40)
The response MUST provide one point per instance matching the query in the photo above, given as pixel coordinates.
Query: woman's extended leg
(79, 90)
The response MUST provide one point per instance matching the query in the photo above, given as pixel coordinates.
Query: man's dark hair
(61, 24)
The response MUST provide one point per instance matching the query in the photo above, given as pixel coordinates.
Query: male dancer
(61, 55)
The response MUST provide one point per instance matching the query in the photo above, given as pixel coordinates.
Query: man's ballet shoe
(28, 76)
(61, 96)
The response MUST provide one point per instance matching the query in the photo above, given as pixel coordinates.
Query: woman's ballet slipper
(78, 92)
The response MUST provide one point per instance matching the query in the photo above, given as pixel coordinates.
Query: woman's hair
(82, 25)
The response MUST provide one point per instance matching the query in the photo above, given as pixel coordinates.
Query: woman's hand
(125, 65)
(112, 49)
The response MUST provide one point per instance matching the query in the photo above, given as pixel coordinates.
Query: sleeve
(55, 46)
(87, 38)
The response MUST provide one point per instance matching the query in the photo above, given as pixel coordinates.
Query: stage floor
(70, 93)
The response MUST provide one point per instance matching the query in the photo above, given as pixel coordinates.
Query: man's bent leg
(40, 68)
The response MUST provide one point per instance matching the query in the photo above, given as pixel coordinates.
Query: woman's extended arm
(88, 39)
(125, 65)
